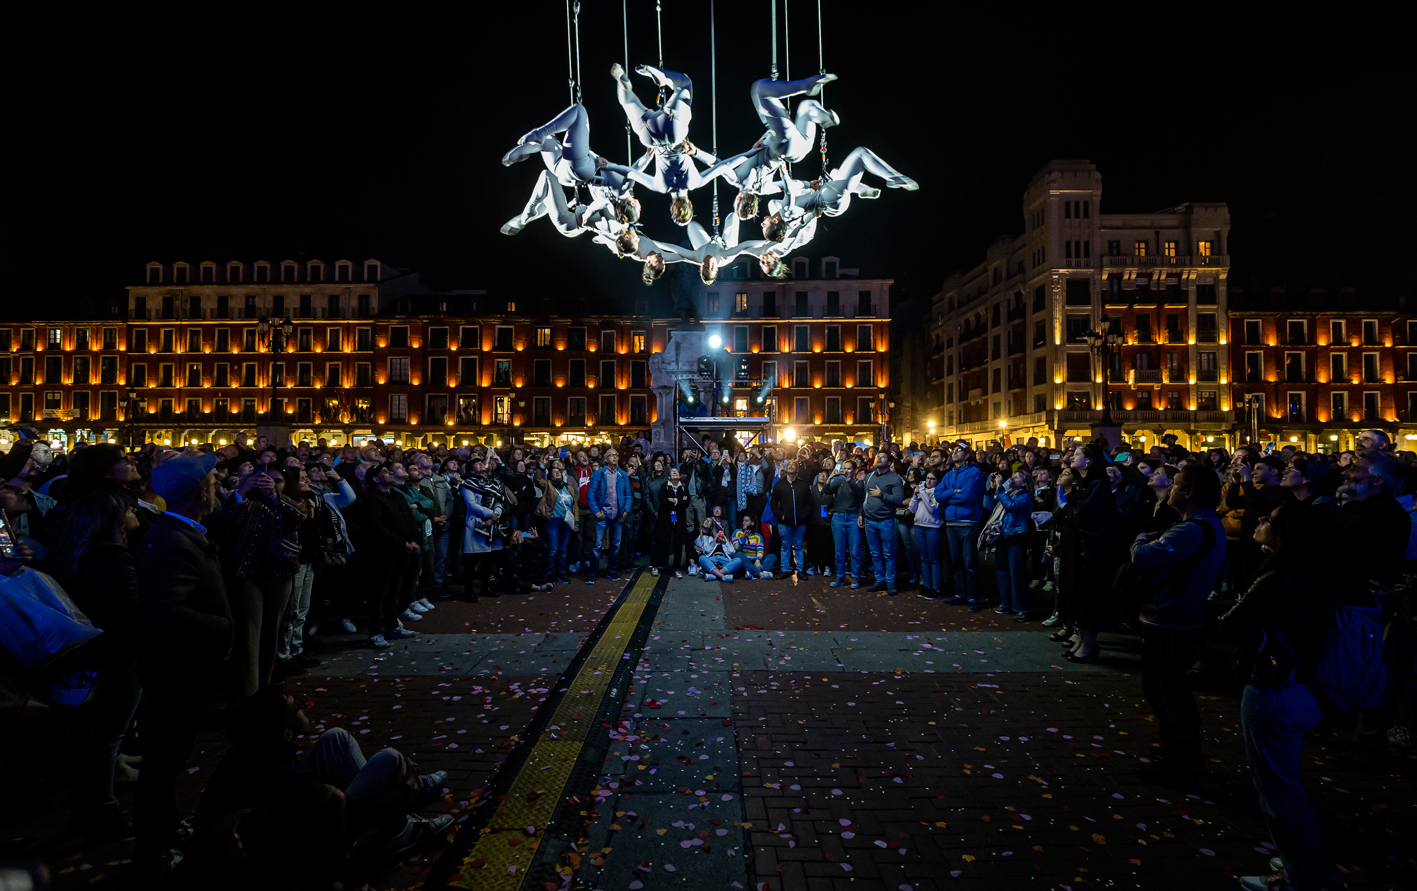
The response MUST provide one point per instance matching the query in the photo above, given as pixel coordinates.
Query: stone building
(1008, 338)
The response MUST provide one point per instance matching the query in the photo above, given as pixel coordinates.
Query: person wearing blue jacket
(609, 499)
(1010, 558)
(960, 496)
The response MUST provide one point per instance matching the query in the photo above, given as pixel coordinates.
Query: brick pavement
(833, 778)
(812, 604)
(895, 780)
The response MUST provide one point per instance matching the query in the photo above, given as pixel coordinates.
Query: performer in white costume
(830, 196)
(710, 253)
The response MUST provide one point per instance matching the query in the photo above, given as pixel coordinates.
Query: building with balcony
(1319, 367)
(1010, 334)
(814, 348)
(505, 371)
(201, 352)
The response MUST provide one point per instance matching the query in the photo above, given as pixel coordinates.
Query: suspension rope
(774, 38)
(821, 69)
(578, 51)
(625, 24)
(713, 104)
(786, 43)
(570, 58)
(659, 35)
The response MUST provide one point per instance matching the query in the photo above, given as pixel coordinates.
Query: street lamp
(1102, 342)
(129, 407)
(276, 337)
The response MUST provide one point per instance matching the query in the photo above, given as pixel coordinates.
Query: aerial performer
(790, 137)
(572, 162)
(665, 131)
(709, 253)
(830, 196)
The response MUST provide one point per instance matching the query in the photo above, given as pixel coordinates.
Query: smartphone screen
(7, 537)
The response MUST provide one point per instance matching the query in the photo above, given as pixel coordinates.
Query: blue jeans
(846, 535)
(927, 543)
(729, 565)
(617, 529)
(964, 559)
(768, 563)
(792, 537)
(880, 539)
(112, 710)
(1274, 724)
(441, 536)
(558, 538)
(905, 545)
(1011, 570)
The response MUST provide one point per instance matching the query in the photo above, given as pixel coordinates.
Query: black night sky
(335, 134)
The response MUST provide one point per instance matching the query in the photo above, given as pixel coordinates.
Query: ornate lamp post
(129, 406)
(1102, 342)
(276, 337)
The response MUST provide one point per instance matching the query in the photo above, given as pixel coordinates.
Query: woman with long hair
(1285, 615)
(99, 571)
(300, 496)
(561, 523)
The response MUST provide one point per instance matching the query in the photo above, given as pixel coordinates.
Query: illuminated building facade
(200, 352)
(1320, 367)
(1008, 338)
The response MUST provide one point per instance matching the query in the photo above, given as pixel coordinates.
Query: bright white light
(715, 342)
(789, 435)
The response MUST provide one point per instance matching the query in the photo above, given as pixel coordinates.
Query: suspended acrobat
(710, 252)
(788, 137)
(665, 132)
(573, 163)
(830, 196)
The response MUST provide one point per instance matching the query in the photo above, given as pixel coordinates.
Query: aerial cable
(713, 105)
(659, 35)
(774, 38)
(570, 58)
(821, 69)
(625, 24)
(786, 43)
(578, 51)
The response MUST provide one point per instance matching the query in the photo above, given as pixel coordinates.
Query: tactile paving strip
(499, 859)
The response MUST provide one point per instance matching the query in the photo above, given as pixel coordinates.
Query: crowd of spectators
(183, 584)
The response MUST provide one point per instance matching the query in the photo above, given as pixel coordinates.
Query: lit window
(1169, 248)
(1203, 248)
(1141, 249)
(543, 337)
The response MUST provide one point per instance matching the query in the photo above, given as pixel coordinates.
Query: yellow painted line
(498, 861)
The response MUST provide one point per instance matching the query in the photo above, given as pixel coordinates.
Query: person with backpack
(1280, 625)
(1186, 558)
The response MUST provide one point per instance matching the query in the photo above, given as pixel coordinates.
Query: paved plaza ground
(668, 733)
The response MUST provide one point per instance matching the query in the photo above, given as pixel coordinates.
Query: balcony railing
(1147, 376)
(1186, 260)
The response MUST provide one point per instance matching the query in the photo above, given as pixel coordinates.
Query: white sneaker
(418, 607)
(766, 574)
(347, 626)
(693, 570)
(654, 570)
(377, 642)
(424, 603)
(678, 574)
(409, 615)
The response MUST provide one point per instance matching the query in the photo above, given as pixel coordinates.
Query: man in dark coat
(188, 633)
